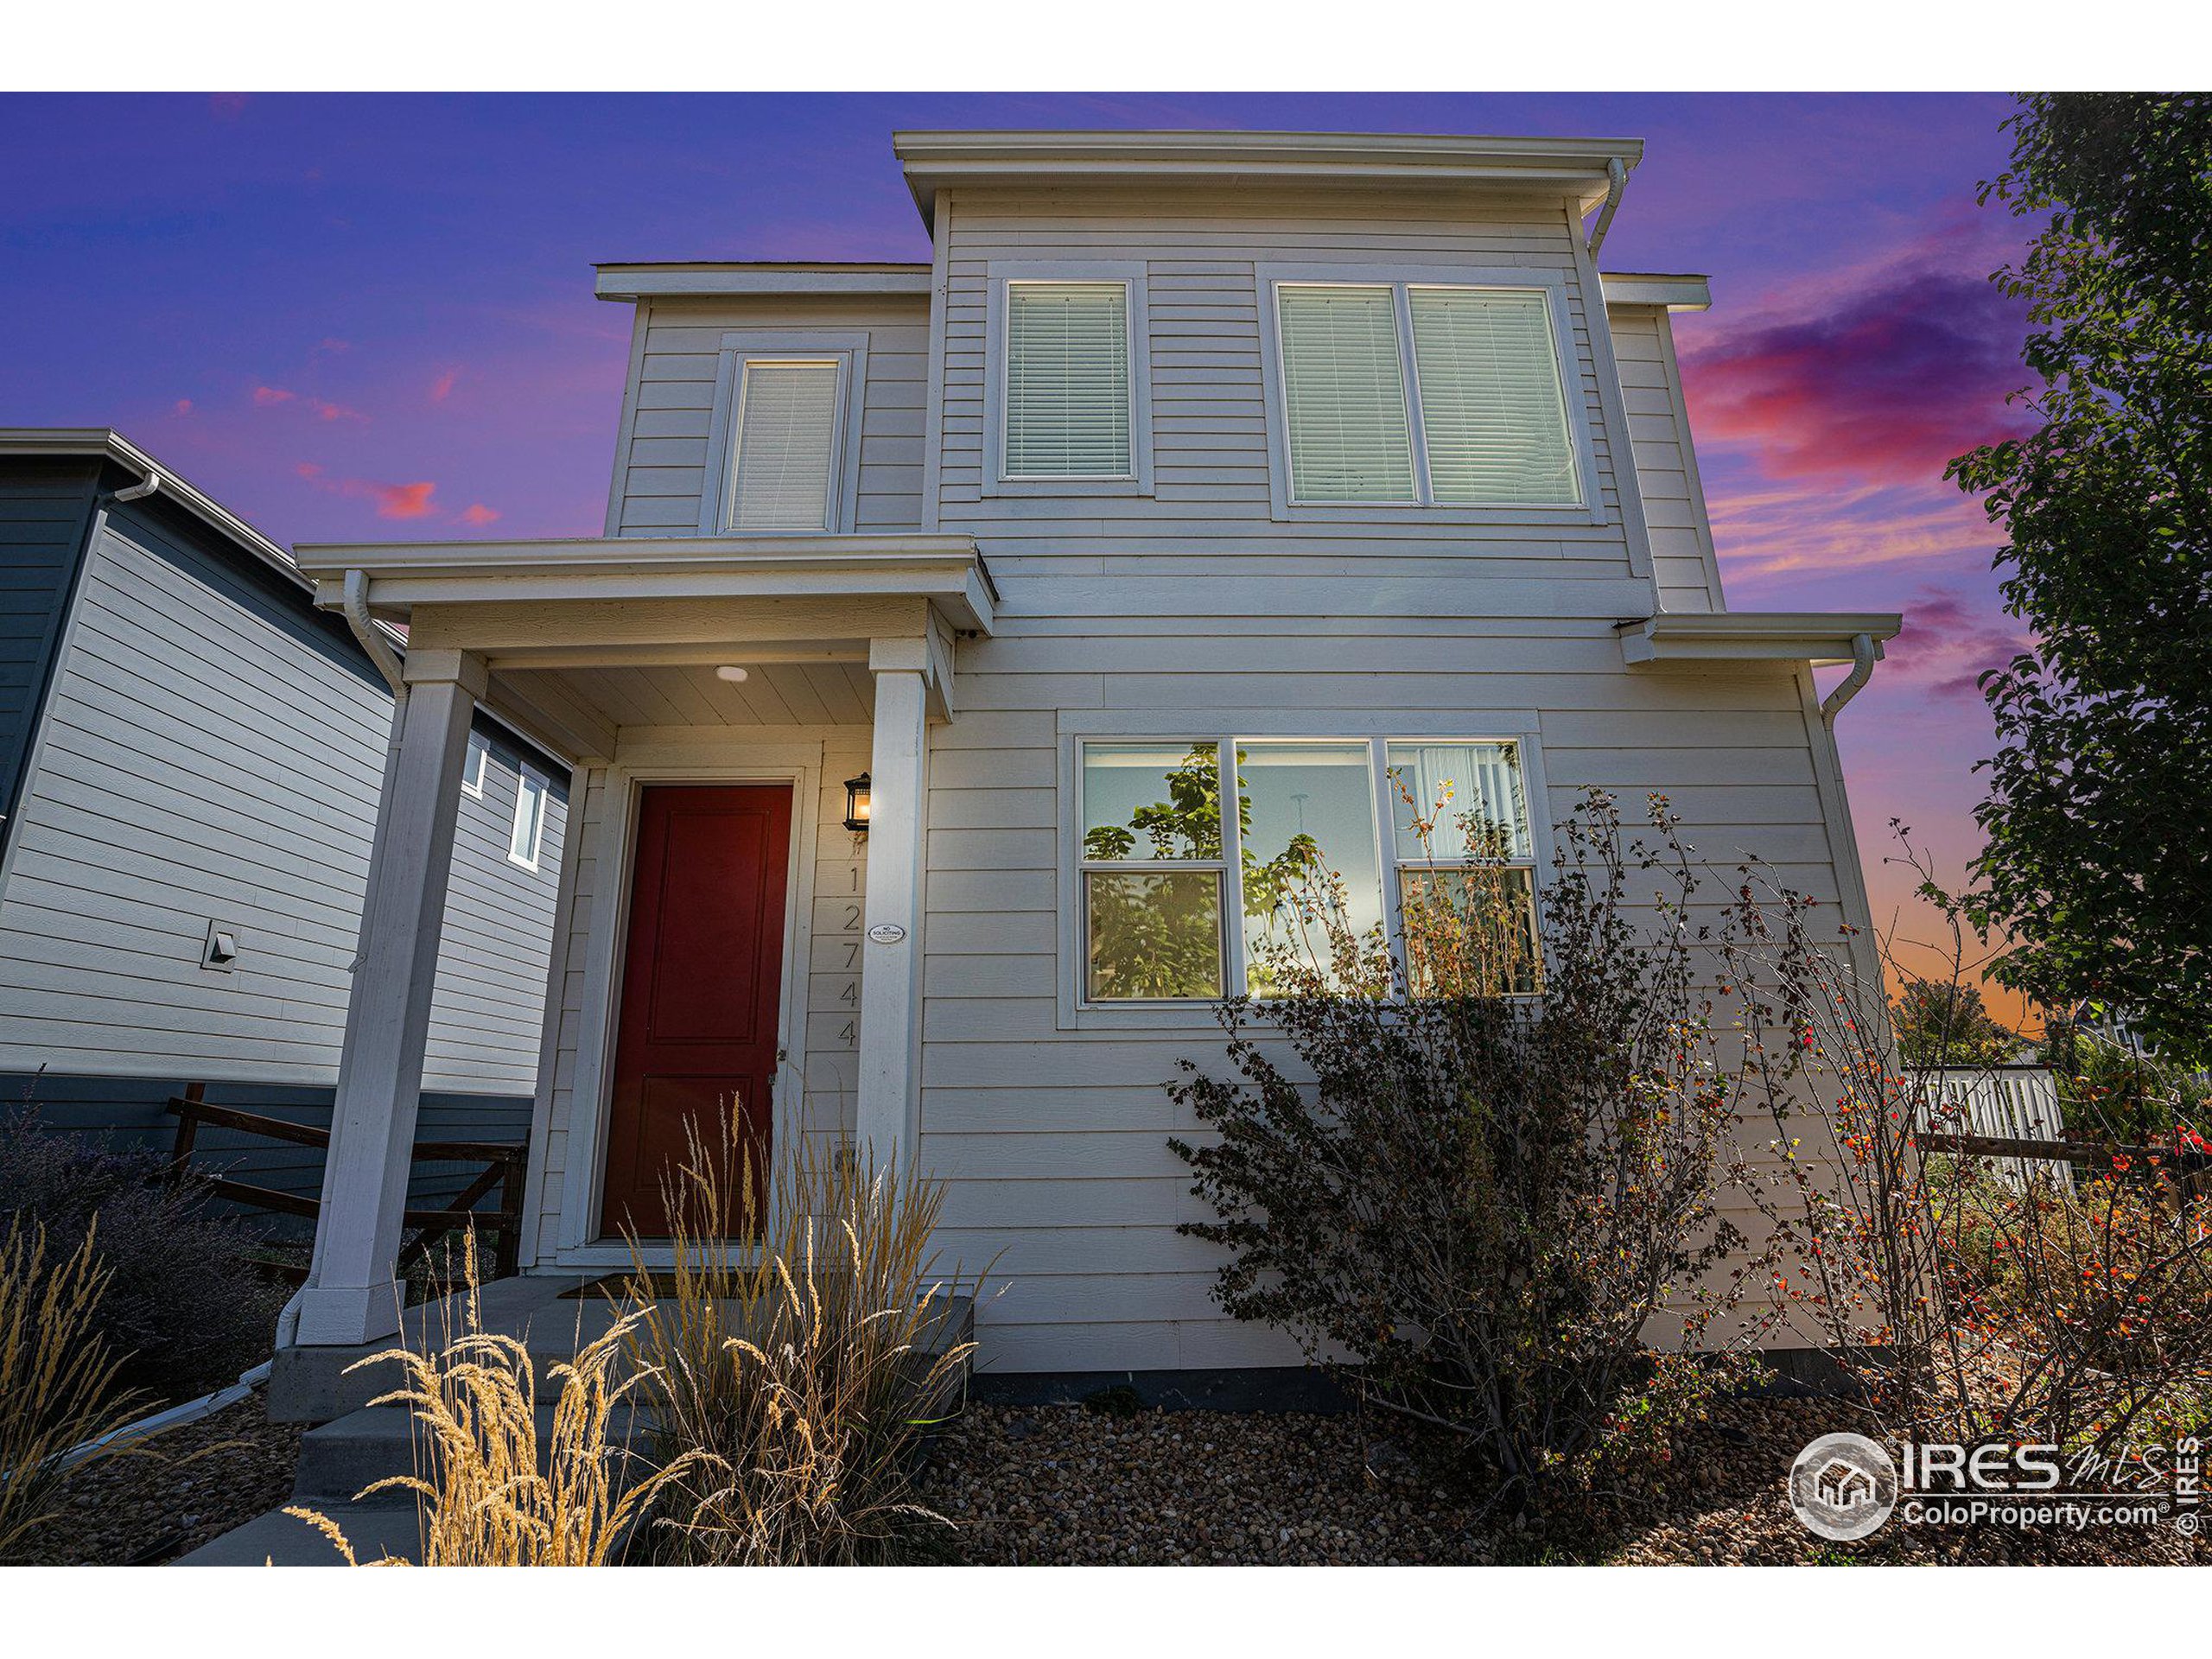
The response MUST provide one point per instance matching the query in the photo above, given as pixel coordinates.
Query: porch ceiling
(772, 693)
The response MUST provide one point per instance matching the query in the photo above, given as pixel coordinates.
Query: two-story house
(1300, 458)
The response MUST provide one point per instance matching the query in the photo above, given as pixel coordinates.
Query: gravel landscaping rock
(1062, 1484)
(187, 1487)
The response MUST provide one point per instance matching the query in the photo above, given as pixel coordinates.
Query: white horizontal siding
(209, 754)
(660, 476)
(1666, 464)
(1052, 1142)
(1201, 252)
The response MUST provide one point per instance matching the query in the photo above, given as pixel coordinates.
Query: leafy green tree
(2098, 863)
(1944, 1024)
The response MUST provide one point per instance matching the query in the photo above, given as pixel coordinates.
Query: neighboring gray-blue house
(191, 755)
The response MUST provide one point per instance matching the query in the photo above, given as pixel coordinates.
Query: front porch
(720, 933)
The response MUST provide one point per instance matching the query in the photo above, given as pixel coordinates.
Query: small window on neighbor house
(529, 834)
(471, 766)
(787, 460)
(1067, 381)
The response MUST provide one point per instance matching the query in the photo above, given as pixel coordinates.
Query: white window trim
(848, 350)
(1077, 1012)
(1551, 283)
(476, 759)
(527, 776)
(1131, 275)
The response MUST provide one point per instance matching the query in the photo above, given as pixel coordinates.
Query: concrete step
(318, 1385)
(279, 1539)
(339, 1459)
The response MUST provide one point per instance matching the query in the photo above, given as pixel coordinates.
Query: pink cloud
(227, 106)
(330, 343)
(270, 397)
(404, 501)
(477, 513)
(1884, 383)
(181, 407)
(392, 500)
(329, 411)
(441, 388)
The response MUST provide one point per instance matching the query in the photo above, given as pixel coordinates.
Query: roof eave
(107, 442)
(1675, 290)
(934, 161)
(706, 279)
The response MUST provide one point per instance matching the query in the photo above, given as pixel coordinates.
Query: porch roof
(1817, 637)
(947, 570)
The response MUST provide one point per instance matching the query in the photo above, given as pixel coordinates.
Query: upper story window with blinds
(1068, 410)
(1422, 394)
(784, 445)
(786, 463)
(1067, 381)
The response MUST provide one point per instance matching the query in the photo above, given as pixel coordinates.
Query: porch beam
(352, 1294)
(515, 631)
(744, 653)
(886, 1119)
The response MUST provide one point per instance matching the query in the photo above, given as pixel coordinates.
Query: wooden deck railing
(504, 1171)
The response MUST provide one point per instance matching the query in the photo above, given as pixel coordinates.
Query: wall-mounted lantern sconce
(857, 804)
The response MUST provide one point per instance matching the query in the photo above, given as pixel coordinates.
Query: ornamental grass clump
(59, 1378)
(485, 1496)
(793, 1354)
(1471, 1175)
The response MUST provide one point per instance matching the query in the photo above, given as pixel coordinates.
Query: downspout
(1862, 669)
(386, 660)
(365, 630)
(1616, 182)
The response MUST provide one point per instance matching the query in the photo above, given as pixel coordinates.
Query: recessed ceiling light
(731, 672)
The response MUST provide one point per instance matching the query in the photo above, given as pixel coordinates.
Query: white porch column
(888, 1114)
(351, 1295)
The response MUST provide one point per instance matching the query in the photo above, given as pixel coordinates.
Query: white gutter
(1617, 183)
(139, 490)
(171, 1417)
(1862, 669)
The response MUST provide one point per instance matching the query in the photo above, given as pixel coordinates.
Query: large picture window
(1423, 394)
(1389, 820)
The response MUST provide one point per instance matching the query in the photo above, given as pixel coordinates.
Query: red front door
(696, 1037)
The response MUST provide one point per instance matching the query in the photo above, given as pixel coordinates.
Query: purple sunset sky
(370, 317)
